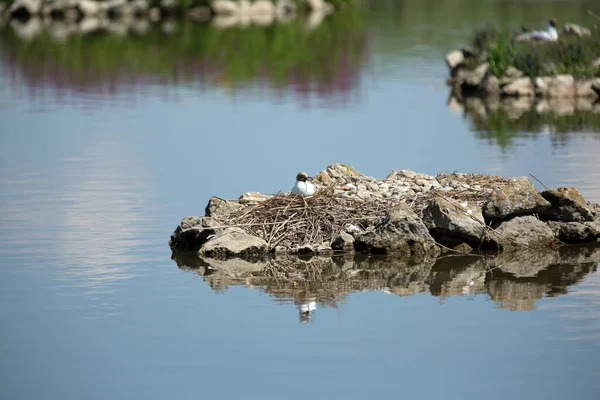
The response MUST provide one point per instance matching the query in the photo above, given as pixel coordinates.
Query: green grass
(568, 55)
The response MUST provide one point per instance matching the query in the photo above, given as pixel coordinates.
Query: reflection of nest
(294, 220)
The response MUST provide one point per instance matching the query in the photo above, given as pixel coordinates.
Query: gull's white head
(303, 177)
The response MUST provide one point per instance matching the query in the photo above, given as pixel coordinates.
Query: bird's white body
(549, 35)
(303, 188)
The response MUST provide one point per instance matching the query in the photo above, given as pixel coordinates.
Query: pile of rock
(420, 214)
(481, 81)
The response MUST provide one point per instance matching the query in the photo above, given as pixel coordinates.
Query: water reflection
(315, 56)
(514, 282)
(501, 121)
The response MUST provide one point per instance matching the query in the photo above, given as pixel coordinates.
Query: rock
(519, 196)
(519, 87)
(510, 75)
(577, 30)
(323, 178)
(451, 218)
(343, 242)
(192, 233)
(596, 63)
(29, 7)
(454, 59)
(576, 232)
(253, 197)
(584, 88)
(89, 8)
(233, 242)
(401, 231)
(218, 206)
(473, 79)
(526, 231)
(491, 86)
(555, 86)
(567, 204)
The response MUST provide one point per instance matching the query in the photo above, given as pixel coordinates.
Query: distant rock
(233, 242)
(402, 231)
(555, 86)
(454, 59)
(518, 197)
(519, 87)
(567, 204)
(577, 30)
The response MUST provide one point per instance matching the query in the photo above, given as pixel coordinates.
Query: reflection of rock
(514, 281)
(28, 30)
(457, 276)
(517, 281)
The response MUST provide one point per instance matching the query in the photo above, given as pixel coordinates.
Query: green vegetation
(569, 55)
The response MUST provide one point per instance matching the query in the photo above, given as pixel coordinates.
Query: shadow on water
(321, 56)
(514, 282)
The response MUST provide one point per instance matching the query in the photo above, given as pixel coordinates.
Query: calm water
(108, 141)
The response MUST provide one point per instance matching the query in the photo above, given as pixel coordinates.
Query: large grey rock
(89, 8)
(233, 242)
(576, 232)
(192, 233)
(343, 242)
(519, 87)
(451, 218)
(253, 197)
(519, 196)
(567, 204)
(401, 231)
(555, 86)
(527, 231)
(217, 206)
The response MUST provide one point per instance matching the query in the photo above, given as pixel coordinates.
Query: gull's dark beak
(309, 178)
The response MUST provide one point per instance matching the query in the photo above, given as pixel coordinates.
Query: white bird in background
(549, 35)
(303, 186)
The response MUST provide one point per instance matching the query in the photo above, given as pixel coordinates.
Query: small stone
(421, 182)
(343, 242)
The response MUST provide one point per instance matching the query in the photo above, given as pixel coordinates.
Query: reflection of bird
(549, 35)
(305, 310)
(303, 185)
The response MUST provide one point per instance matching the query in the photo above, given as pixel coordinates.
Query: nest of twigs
(289, 221)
